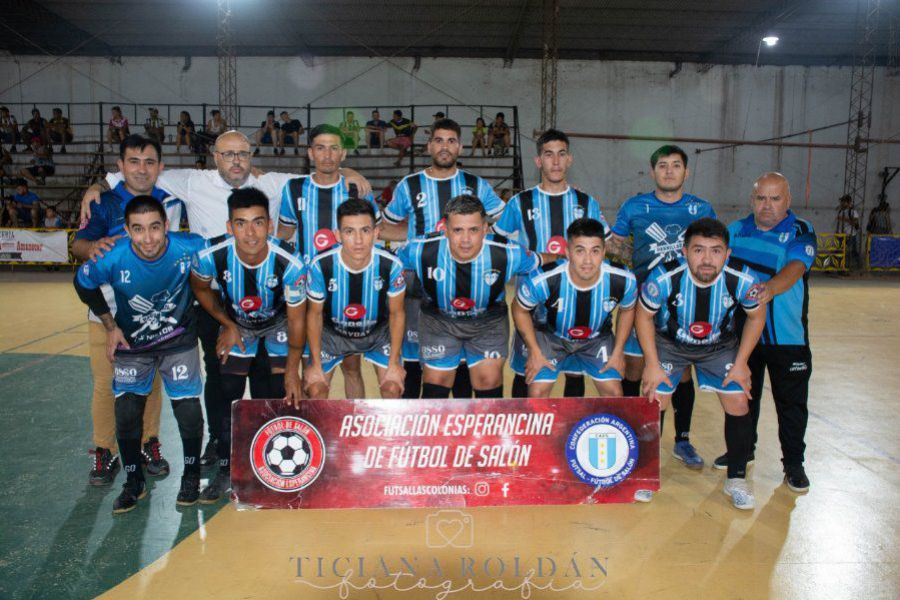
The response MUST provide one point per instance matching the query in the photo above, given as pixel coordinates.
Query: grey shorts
(276, 341)
(444, 342)
(375, 347)
(577, 357)
(711, 363)
(180, 372)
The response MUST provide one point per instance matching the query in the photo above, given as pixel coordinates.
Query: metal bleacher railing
(89, 155)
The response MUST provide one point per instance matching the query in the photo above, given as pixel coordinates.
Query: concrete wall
(609, 97)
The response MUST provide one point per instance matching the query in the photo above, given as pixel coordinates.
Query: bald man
(780, 247)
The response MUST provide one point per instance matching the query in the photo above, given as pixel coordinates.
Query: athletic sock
(662, 420)
(412, 385)
(683, 405)
(574, 386)
(192, 448)
(631, 388)
(496, 392)
(519, 387)
(738, 439)
(431, 390)
(462, 385)
(130, 450)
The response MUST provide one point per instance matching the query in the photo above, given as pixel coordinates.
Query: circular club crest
(557, 245)
(700, 329)
(354, 312)
(287, 454)
(249, 304)
(324, 239)
(602, 450)
(461, 303)
(580, 332)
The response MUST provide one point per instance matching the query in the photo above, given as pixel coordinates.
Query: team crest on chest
(783, 237)
(491, 277)
(578, 211)
(378, 284)
(226, 275)
(272, 281)
(609, 305)
(693, 208)
(468, 191)
(727, 301)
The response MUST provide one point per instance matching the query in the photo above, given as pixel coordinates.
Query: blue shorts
(180, 372)
(632, 346)
(711, 364)
(410, 351)
(276, 340)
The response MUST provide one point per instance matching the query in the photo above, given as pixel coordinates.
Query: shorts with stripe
(375, 347)
(576, 357)
(180, 372)
(444, 342)
(276, 341)
(711, 364)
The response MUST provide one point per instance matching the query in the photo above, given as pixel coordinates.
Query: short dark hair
(35, 110)
(354, 206)
(501, 115)
(667, 150)
(57, 109)
(144, 204)
(551, 135)
(21, 181)
(118, 108)
(139, 142)
(448, 124)
(709, 228)
(284, 112)
(325, 129)
(247, 198)
(398, 112)
(270, 113)
(464, 204)
(215, 112)
(585, 227)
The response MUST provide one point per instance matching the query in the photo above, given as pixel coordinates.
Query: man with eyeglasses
(205, 194)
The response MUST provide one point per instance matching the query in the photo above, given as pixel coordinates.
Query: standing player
(262, 294)
(416, 210)
(308, 216)
(780, 248)
(579, 296)
(464, 313)
(657, 222)
(154, 329)
(140, 162)
(686, 318)
(539, 217)
(356, 304)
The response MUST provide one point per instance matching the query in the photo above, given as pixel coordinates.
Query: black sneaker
(217, 488)
(210, 455)
(132, 491)
(190, 490)
(721, 463)
(104, 467)
(152, 458)
(795, 478)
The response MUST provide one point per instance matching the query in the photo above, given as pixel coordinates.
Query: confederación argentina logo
(602, 450)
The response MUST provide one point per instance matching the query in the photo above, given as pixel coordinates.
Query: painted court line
(38, 361)
(49, 335)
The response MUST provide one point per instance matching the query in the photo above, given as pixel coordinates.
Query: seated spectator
(42, 165)
(479, 137)
(52, 219)
(268, 133)
(9, 216)
(404, 130)
(35, 131)
(28, 205)
(9, 129)
(154, 126)
(375, 130)
(350, 132)
(6, 161)
(59, 130)
(498, 136)
(184, 131)
(291, 130)
(215, 127)
(118, 129)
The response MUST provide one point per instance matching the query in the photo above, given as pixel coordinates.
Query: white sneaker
(643, 495)
(739, 490)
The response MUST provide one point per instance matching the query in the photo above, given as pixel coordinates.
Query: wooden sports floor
(58, 538)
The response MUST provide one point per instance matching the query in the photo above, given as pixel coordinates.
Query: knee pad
(130, 416)
(189, 416)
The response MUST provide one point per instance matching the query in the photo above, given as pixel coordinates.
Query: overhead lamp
(770, 40)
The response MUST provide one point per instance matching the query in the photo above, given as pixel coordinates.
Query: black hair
(398, 112)
(464, 204)
(709, 228)
(667, 150)
(447, 124)
(139, 142)
(551, 135)
(585, 227)
(144, 204)
(247, 198)
(501, 115)
(215, 112)
(270, 113)
(353, 207)
(325, 129)
(118, 108)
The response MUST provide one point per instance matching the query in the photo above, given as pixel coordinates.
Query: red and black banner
(447, 453)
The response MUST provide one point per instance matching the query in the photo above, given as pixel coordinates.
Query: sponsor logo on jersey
(700, 329)
(250, 304)
(461, 303)
(324, 239)
(557, 245)
(354, 312)
(580, 332)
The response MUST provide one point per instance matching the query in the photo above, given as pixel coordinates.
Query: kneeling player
(464, 313)
(686, 317)
(357, 294)
(262, 286)
(154, 329)
(578, 296)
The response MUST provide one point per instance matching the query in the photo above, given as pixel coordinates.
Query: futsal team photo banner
(443, 453)
(25, 245)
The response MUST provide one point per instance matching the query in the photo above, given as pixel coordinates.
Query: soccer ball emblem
(287, 454)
